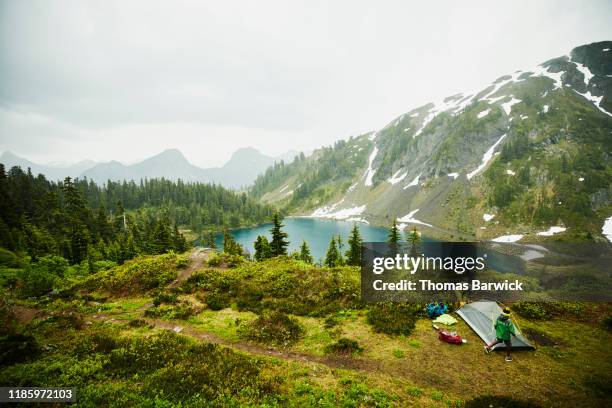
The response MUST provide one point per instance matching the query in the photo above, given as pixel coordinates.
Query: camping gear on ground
(436, 309)
(481, 316)
(446, 319)
(450, 337)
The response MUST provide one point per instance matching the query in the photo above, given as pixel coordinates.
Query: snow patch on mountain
(551, 231)
(606, 230)
(596, 100)
(414, 182)
(483, 113)
(341, 214)
(508, 238)
(369, 174)
(507, 107)
(409, 219)
(498, 85)
(555, 76)
(585, 71)
(486, 158)
(396, 178)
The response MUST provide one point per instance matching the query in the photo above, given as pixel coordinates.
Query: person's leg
(508, 350)
(489, 346)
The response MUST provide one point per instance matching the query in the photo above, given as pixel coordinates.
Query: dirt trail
(197, 257)
(186, 329)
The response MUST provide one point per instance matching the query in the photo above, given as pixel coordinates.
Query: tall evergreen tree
(209, 240)
(305, 253)
(394, 234)
(279, 243)
(77, 215)
(332, 258)
(354, 253)
(262, 248)
(161, 238)
(414, 239)
(394, 238)
(230, 246)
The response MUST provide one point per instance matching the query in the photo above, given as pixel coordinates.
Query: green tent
(481, 316)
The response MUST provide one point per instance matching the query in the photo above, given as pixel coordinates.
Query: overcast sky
(124, 79)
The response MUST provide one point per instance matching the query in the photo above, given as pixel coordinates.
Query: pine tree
(209, 240)
(103, 228)
(354, 253)
(119, 219)
(394, 238)
(230, 246)
(262, 248)
(179, 243)
(332, 256)
(305, 253)
(279, 243)
(414, 239)
(161, 238)
(77, 216)
(394, 234)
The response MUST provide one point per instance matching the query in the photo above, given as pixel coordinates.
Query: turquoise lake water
(317, 232)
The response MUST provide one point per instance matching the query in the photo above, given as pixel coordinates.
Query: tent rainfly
(481, 316)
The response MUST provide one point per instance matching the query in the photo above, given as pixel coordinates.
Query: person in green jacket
(504, 330)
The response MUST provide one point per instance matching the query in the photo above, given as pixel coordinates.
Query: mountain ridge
(532, 150)
(170, 163)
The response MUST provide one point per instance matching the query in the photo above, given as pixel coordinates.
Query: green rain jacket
(504, 328)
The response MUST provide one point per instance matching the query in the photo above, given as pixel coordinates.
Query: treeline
(193, 205)
(40, 218)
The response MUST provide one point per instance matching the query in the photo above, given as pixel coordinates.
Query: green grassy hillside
(168, 331)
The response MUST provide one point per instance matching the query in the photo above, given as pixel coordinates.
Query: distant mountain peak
(171, 153)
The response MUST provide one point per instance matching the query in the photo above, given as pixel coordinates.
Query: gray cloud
(275, 75)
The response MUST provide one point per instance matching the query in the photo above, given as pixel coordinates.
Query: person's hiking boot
(508, 358)
(487, 350)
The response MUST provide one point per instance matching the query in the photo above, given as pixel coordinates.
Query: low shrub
(393, 318)
(181, 310)
(16, 347)
(607, 322)
(217, 300)
(165, 297)
(10, 259)
(137, 275)
(546, 310)
(344, 346)
(137, 323)
(280, 284)
(331, 321)
(223, 259)
(415, 391)
(272, 328)
(530, 310)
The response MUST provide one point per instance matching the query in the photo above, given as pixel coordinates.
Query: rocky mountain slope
(527, 157)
